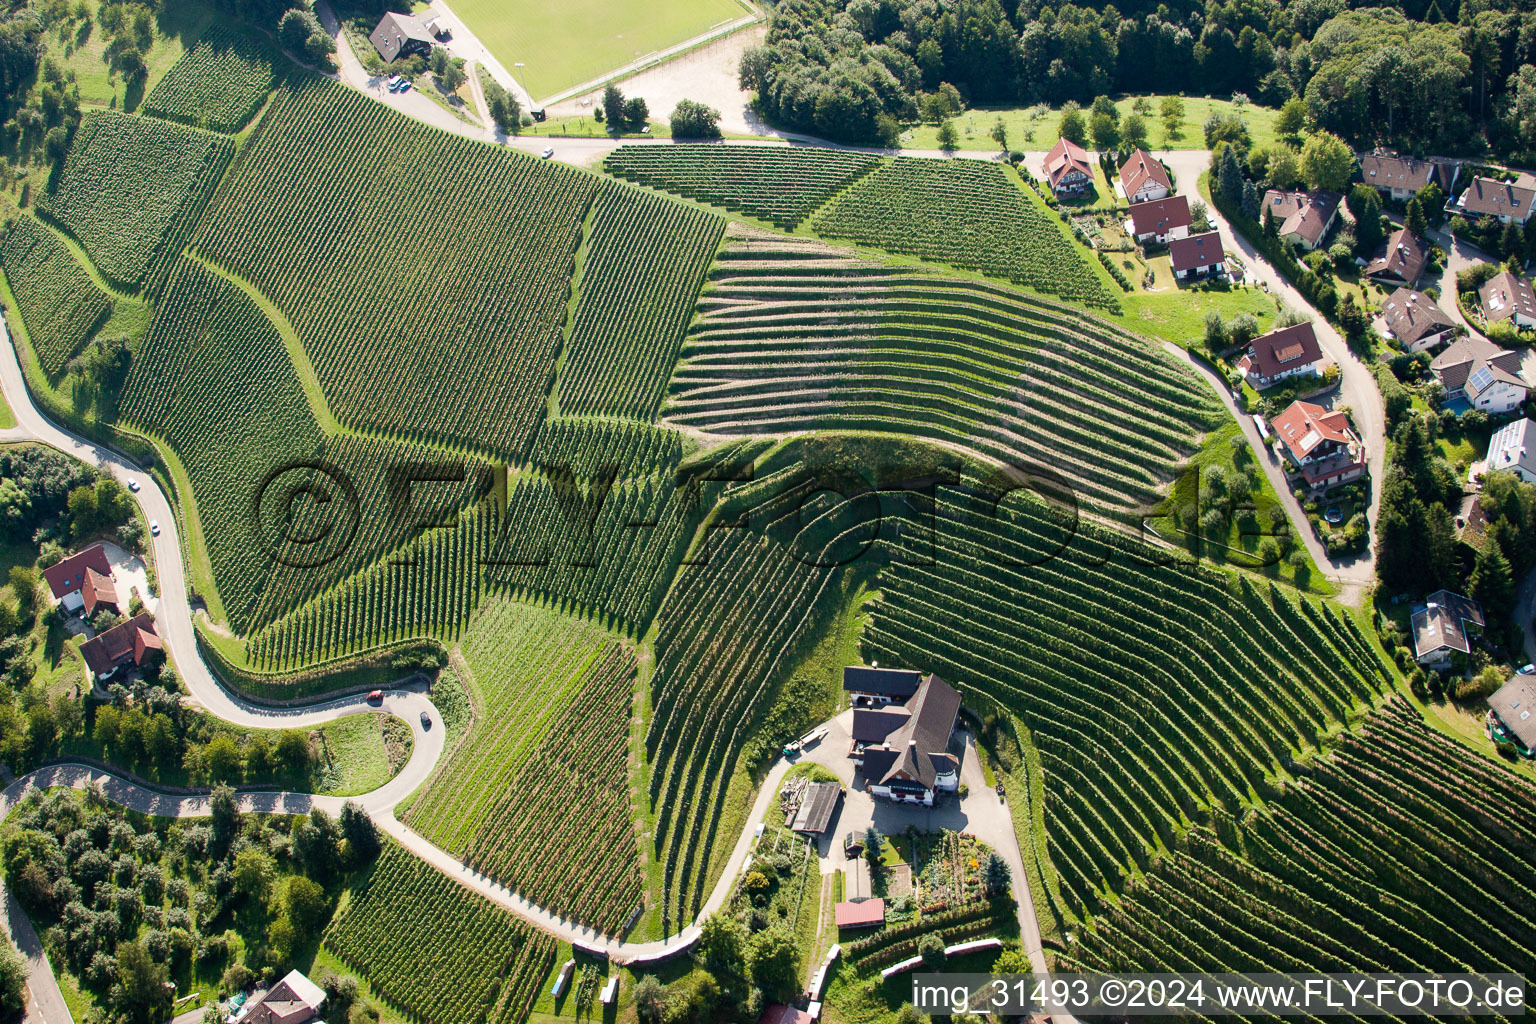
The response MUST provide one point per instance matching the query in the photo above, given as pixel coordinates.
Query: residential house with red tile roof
(1320, 446)
(1143, 178)
(1280, 355)
(131, 642)
(1067, 168)
(83, 581)
(1160, 220)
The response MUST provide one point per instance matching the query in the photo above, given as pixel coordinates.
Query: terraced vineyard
(969, 214)
(58, 302)
(415, 266)
(1150, 690)
(218, 84)
(214, 382)
(526, 665)
(645, 260)
(723, 632)
(563, 833)
(1400, 852)
(795, 335)
(778, 184)
(437, 950)
(131, 189)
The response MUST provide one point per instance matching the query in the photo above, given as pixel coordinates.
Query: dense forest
(1431, 75)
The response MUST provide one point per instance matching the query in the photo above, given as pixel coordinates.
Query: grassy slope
(178, 26)
(1039, 132)
(561, 45)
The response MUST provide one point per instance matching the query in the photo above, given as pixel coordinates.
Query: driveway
(1357, 386)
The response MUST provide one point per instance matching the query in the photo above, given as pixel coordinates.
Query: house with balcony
(1477, 374)
(1143, 178)
(1415, 320)
(1321, 449)
(1506, 202)
(1160, 220)
(1280, 355)
(1401, 177)
(1067, 169)
(1512, 714)
(1401, 262)
(1197, 256)
(1302, 218)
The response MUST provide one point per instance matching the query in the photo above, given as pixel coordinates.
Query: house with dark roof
(128, 643)
(1160, 220)
(293, 1000)
(1415, 320)
(1442, 627)
(911, 762)
(1489, 197)
(1512, 713)
(401, 35)
(1143, 178)
(874, 685)
(818, 804)
(1476, 371)
(83, 581)
(1302, 218)
(1399, 177)
(1280, 355)
(1321, 448)
(1507, 297)
(1196, 256)
(1401, 262)
(1067, 168)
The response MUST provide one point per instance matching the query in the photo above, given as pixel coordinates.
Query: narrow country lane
(1357, 387)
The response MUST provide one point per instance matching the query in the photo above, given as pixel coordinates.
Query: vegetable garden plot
(218, 84)
(795, 336)
(59, 303)
(782, 185)
(969, 214)
(1150, 690)
(427, 275)
(1401, 851)
(646, 257)
(437, 950)
(131, 188)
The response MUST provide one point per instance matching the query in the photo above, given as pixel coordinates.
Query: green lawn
(552, 47)
(1178, 314)
(1034, 128)
(178, 27)
(7, 417)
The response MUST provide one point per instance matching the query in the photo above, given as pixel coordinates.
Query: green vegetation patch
(128, 184)
(781, 185)
(434, 948)
(218, 84)
(426, 275)
(969, 214)
(645, 260)
(58, 302)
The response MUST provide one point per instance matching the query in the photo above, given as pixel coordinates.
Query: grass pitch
(562, 45)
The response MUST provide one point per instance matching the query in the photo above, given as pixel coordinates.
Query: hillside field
(552, 47)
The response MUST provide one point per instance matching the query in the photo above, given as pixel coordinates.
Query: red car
(376, 697)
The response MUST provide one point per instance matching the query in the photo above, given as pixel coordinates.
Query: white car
(549, 151)
(154, 527)
(133, 485)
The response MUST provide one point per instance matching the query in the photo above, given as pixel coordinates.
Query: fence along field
(59, 304)
(427, 275)
(526, 665)
(563, 833)
(1152, 691)
(796, 335)
(218, 84)
(130, 189)
(969, 214)
(214, 382)
(1401, 851)
(435, 949)
(645, 260)
(781, 185)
